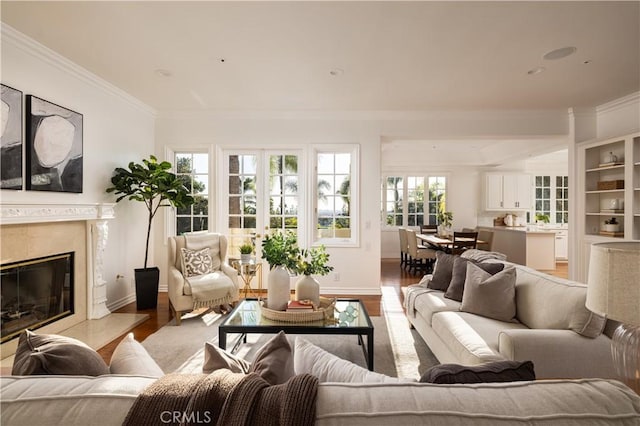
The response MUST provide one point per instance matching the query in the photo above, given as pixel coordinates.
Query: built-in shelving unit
(612, 187)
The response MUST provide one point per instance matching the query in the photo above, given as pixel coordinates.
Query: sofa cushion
(492, 296)
(442, 271)
(482, 255)
(274, 360)
(216, 358)
(432, 302)
(309, 358)
(545, 301)
(455, 290)
(54, 354)
(130, 357)
(196, 262)
(471, 338)
(490, 372)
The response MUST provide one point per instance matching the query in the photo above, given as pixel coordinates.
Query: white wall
(359, 267)
(117, 129)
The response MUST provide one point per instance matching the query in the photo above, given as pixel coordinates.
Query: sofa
(347, 394)
(551, 326)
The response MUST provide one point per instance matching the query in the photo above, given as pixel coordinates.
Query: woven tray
(610, 184)
(325, 310)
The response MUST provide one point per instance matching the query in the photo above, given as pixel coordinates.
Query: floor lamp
(614, 291)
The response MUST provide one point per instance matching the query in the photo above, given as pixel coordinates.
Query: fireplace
(35, 292)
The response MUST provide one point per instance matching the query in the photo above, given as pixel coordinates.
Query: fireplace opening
(35, 292)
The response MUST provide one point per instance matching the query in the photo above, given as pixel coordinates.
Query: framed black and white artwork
(54, 151)
(11, 139)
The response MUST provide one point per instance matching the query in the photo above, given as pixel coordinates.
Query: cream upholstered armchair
(198, 274)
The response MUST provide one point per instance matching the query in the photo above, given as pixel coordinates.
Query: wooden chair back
(463, 241)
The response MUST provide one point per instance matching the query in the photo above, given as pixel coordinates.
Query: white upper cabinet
(508, 192)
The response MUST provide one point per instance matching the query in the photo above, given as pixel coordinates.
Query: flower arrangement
(313, 262)
(280, 249)
(445, 218)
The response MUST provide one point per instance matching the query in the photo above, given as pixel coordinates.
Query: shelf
(605, 214)
(599, 169)
(612, 234)
(604, 191)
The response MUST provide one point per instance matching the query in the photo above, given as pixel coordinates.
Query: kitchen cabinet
(562, 245)
(508, 192)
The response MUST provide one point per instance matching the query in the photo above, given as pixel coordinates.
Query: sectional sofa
(551, 327)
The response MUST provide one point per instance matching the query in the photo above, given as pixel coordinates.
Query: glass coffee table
(350, 318)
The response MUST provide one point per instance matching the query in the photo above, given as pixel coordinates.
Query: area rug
(398, 350)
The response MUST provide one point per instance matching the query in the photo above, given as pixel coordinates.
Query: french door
(262, 191)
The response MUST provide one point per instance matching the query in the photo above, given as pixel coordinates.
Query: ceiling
(394, 56)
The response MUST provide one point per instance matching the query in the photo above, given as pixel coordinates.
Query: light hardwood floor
(392, 276)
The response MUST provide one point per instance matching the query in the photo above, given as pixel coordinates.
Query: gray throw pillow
(442, 271)
(216, 358)
(50, 354)
(455, 290)
(491, 296)
(274, 361)
(498, 371)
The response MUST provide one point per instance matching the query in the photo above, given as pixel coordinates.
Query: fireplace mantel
(95, 217)
(11, 214)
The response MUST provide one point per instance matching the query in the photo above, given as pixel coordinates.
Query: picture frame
(54, 147)
(11, 142)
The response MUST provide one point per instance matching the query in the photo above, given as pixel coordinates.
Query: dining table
(442, 242)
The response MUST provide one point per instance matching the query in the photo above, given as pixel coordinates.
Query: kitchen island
(526, 245)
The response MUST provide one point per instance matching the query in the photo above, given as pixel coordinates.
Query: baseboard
(122, 302)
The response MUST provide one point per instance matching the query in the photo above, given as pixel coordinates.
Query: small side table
(247, 270)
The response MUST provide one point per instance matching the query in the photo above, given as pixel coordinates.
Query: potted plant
(153, 184)
(611, 225)
(445, 219)
(246, 250)
(542, 218)
(311, 262)
(280, 251)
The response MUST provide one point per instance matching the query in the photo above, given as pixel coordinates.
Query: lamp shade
(614, 281)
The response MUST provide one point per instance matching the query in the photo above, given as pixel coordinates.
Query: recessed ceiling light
(588, 61)
(163, 73)
(336, 71)
(563, 52)
(536, 70)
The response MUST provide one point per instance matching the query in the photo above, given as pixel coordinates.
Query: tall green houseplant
(152, 183)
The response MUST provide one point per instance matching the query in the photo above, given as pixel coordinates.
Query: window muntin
(192, 168)
(562, 199)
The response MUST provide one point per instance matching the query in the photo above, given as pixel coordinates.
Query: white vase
(308, 287)
(278, 290)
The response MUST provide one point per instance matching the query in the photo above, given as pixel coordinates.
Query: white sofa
(105, 400)
(550, 330)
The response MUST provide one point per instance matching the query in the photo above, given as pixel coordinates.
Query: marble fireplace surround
(34, 230)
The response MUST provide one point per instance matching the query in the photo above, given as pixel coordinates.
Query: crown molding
(13, 37)
(616, 104)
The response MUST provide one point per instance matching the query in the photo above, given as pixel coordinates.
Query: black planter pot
(147, 287)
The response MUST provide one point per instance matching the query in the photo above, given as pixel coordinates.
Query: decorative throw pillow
(459, 276)
(497, 371)
(308, 358)
(130, 357)
(482, 255)
(442, 271)
(44, 354)
(196, 262)
(274, 361)
(216, 358)
(491, 296)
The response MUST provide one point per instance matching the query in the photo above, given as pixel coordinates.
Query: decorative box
(610, 184)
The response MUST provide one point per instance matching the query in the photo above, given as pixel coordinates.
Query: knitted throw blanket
(225, 398)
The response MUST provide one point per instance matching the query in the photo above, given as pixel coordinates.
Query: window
(283, 192)
(562, 199)
(193, 169)
(336, 198)
(409, 202)
(552, 197)
(242, 201)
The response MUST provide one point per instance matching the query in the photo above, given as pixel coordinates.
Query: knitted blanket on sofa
(225, 398)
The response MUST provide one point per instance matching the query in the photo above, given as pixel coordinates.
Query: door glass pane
(283, 180)
(242, 205)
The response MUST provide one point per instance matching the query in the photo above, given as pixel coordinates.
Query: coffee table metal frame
(315, 327)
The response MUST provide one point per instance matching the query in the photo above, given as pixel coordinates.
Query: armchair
(216, 286)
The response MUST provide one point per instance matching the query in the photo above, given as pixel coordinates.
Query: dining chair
(487, 240)
(429, 229)
(420, 257)
(403, 247)
(463, 241)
